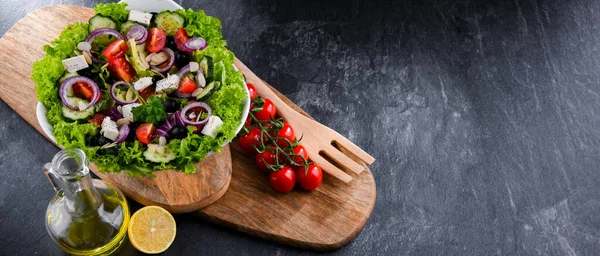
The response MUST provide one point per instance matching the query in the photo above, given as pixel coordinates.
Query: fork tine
(343, 160)
(330, 168)
(355, 150)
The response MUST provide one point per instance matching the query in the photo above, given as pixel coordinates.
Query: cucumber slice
(74, 114)
(208, 90)
(207, 67)
(219, 74)
(99, 21)
(170, 22)
(126, 26)
(65, 76)
(159, 154)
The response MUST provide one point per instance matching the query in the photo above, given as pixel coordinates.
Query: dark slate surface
(483, 117)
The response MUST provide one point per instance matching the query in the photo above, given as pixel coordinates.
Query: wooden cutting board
(324, 219)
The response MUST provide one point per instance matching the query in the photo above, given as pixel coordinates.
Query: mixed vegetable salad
(140, 92)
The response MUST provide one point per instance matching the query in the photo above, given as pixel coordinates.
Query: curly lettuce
(227, 102)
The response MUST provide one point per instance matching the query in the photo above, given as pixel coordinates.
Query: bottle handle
(48, 172)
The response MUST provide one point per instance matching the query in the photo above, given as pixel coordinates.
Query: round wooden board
(324, 219)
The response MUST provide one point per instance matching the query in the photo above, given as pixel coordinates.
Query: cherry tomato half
(310, 179)
(83, 91)
(250, 140)
(180, 38)
(187, 85)
(121, 69)
(267, 157)
(145, 132)
(267, 112)
(97, 119)
(299, 150)
(251, 91)
(285, 134)
(157, 39)
(146, 93)
(283, 180)
(116, 49)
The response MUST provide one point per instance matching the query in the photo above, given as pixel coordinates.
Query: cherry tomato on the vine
(267, 157)
(299, 150)
(267, 112)
(250, 140)
(251, 91)
(310, 179)
(283, 180)
(285, 134)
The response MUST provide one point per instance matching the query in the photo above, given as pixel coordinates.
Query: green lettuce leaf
(115, 11)
(197, 23)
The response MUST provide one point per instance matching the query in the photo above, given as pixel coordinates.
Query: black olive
(170, 105)
(85, 72)
(132, 127)
(178, 132)
(171, 43)
(99, 140)
(181, 59)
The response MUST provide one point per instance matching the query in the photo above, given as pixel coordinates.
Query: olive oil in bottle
(86, 216)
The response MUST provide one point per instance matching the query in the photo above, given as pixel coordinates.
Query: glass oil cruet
(86, 216)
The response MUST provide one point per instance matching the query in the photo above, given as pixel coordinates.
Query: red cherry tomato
(267, 112)
(187, 85)
(145, 132)
(248, 122)
(83, 90)
(121, 69)
(299, 150)
(285, 134)
(251, 91)
(250, 140)
(157, 38)
(180, 38)
(116, 49)
(283, 180)
(146, 93)
(265, 158)
(97, 119)
(310, 179)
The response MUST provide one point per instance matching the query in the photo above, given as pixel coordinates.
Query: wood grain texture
(175, 191)
(324, 219)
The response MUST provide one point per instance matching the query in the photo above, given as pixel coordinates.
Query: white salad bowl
(148, 6)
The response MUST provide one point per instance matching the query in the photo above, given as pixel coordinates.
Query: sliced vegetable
(77, 114)
(165, 67)
(159, 154)
(121, 69)
(123, 132)
(139, 33)
(170, 22)
(126, 26)
(207, 91)
(198, 109)
(116, 49)
(145, 132)
(65, 87)
(196, 43)
(187, 86)
(156, 40)
(122, 93)
(137, 56)
(181, 37)
(99, 21)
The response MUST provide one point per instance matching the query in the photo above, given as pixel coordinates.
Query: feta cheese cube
(140, 17)
(142, 83)
(167, 85)
(212, 127)
(126, 111)
(109, 129)
(75, 64)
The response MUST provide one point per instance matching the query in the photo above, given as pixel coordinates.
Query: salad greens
(227, 102)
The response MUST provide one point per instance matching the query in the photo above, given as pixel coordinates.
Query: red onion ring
(123, 132)
(195, 43)
(178, 120)
(183, 114)
(170, 62)
(162, 133)
(117, 100)
(139, 33)
(66, 85)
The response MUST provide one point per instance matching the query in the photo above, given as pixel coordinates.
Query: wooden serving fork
(318, 139)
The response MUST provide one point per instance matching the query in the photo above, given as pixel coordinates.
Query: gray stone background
(483, 117)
